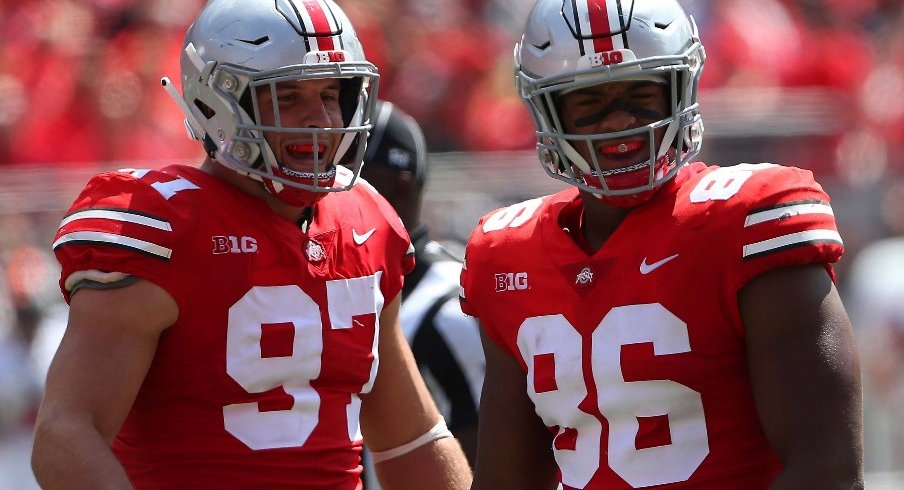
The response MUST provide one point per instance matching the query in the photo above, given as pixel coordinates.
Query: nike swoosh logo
(646, 268)
(360, 239)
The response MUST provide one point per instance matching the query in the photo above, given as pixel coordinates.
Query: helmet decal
(314, 22)
(602, 24)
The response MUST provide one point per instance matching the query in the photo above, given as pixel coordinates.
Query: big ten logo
(511, 281)
(330, 56)
(607, 58)
(233, 244)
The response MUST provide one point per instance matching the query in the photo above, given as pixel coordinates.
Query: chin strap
(574, 156)
(304, 221)
(669, 137)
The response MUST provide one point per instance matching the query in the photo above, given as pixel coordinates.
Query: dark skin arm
(805, 377)
(467, 437)
(514, 449)
(398, 410)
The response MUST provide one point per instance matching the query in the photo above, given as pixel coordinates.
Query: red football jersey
(635, 355)
(257, 383)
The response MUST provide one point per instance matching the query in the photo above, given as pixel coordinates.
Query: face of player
(302, 104)
(613, 107)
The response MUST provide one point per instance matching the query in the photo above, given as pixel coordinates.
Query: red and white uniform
(257, 383)
(635, 355)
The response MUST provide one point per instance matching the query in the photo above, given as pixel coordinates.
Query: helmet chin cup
(637, 180)
(295, 188)
(296, 196)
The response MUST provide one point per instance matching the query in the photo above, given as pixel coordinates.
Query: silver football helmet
(234, 47)
(572, 44)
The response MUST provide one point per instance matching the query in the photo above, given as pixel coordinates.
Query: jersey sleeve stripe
(113, 239)
(791, 240)
(787, 210)
(115, 215)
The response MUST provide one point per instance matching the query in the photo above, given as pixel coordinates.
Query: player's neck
(599, 221)
(252, 187)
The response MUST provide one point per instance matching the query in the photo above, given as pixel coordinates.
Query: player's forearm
(508, 469)
(467, 438)
(819, 474)
(440, 462)
(70, 455)
(823, 448)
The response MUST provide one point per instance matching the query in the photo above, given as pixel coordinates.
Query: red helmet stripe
(599, 25)
(318, 15)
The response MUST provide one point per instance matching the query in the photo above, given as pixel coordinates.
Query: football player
(445, 342)
(237, 325)
(664, 322)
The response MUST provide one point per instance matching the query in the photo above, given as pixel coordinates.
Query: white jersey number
(512, 216)
(257, 374)
(620, 402)
(723, 183)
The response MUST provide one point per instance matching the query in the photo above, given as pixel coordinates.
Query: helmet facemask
(236, 52)
(251, 153)
(542, 81)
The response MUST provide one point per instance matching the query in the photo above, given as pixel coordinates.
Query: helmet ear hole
(246, 103)
(349, 156)
(349, 92)
(205, 109)
(679, 80)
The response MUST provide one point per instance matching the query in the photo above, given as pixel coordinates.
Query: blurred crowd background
(817, 84)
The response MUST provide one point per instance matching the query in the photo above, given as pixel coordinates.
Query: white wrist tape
(439, 431)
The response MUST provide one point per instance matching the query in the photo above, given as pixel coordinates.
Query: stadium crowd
(75, 72)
